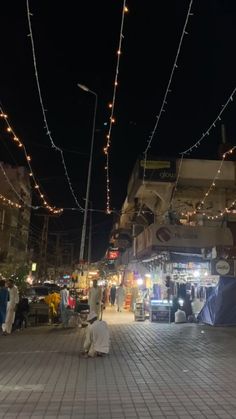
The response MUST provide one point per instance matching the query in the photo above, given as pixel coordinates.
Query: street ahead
(153, 371)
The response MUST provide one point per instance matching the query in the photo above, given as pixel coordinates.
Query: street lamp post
(89, 235)
(83, 234)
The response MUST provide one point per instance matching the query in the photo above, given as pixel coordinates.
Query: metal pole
(83, 234)
(90, 235)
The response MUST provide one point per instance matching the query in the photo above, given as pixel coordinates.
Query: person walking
(95, 298)
(113, 294)
(64, 294)
(3, 304)
(97, 337)
(11, 307)
(105, 296)
(120, 297)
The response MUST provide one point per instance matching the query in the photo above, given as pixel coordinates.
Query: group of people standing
(9, 298)
(99, 297)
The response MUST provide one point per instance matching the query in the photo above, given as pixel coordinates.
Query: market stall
(160, 311)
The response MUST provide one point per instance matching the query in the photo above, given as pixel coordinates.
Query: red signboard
(112, 254)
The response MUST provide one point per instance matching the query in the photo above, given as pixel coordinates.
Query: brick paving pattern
(153, 371)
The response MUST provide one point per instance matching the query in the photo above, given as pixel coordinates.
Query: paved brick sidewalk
(153, 371)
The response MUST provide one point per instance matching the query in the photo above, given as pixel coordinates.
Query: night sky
(76, 42)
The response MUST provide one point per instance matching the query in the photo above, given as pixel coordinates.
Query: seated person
(97, 338)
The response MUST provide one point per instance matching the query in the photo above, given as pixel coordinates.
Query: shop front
(178, 260)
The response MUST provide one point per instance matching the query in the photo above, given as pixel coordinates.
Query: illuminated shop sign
(112, 254)
(159, 170)
(223, 267)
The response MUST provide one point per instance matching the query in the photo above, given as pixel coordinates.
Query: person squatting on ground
(64, 294)
(3, 304)
(11, 307)
(97, 337)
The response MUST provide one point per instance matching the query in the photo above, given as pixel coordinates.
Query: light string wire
(9, 202)
(95, 210)
(216, 177)
(198, 142)
(112, 107)
(168, 90)
(19, 143)
(46, 126)
(119, 213)
(14, 189)
(209, 190)
(213, 125)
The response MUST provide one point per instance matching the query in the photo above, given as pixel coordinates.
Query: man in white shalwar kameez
(64, 294)
(11, 307)
(120, 297)
(95, 298)
(97, 337)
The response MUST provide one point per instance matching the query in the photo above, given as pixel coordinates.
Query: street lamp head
(83, 87)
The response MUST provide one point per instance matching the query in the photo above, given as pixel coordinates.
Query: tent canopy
(220, 307)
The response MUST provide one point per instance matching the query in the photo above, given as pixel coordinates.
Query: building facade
(178, 216)
(15, 201)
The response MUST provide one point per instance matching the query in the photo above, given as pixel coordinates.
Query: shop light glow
(181, 302)
(161, 302)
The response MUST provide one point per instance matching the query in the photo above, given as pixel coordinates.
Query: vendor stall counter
(160, 311)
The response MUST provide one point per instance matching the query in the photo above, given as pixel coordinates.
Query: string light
(216, 177)
(221, 213)
(199, 209)
(13, 188)
(14, 138)
(26, 204)
(112, 107)
(46, 126)
(9, 202)
(168, 90)
(213, 125)
(204, 135)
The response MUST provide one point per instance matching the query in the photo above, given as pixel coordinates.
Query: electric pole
(42, 272)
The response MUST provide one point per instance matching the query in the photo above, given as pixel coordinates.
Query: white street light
(83, 234)
(83, 87)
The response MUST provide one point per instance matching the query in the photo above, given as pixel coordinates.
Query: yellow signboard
(154, 164)
(34, 267)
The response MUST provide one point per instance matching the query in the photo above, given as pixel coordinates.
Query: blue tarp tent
(220, 307)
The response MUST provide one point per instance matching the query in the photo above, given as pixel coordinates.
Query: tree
(18, 274)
